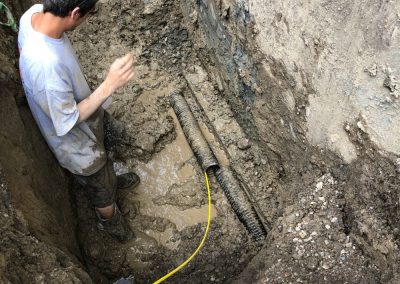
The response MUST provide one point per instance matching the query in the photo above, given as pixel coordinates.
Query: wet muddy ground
(329, 221)
(168, 211)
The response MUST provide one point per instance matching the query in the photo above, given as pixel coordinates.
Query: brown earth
(331, 220)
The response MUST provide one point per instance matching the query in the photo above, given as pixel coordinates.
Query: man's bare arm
(121, 72)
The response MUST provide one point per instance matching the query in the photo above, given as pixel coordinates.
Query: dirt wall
(348, 50)
(26, 258)
(313, 85)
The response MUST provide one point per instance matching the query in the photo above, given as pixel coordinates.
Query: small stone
(319, 185)
(327, 227)
(390, 82)
(361, 126)
(308, 239)
(398, 165)
(325, 266)
(372, 70)
(382, 248)
(303, 234)
(321, 198)
(243, 144)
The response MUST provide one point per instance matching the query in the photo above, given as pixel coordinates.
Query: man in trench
(69, 115)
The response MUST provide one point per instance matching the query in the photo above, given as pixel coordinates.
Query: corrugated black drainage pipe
(240, 202)
(231, 187)
(192, 132)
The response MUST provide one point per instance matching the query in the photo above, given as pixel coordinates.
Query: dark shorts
(101, 186)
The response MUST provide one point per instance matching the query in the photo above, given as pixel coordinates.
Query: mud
(306, 195)
(168, 211)
(23, 257)
(254, 75)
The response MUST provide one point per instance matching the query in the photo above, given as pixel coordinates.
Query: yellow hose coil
(202, 241)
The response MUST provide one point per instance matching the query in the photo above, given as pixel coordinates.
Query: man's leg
(101, 190)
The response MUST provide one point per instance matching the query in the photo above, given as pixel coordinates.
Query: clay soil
(328, 221)
(168, 211)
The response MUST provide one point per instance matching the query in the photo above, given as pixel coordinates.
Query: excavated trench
(330, 210)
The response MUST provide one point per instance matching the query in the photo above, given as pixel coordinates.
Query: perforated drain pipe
(231, 187)
(192, 132)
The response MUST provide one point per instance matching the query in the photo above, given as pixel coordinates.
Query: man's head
(63, 8)
(76, 11)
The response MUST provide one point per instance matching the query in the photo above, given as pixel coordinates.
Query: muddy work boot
(116, 227)
(127, 180)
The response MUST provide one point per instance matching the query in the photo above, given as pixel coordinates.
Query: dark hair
(61, 8)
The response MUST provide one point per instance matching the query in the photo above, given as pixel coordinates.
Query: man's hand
(121, 72)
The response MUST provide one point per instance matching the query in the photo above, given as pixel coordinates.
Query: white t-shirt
(54, 84)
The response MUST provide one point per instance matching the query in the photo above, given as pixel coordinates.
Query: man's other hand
(121, 72)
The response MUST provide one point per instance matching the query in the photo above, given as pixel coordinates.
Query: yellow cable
(202, 241)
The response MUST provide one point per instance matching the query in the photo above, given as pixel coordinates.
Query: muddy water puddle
(168, 168)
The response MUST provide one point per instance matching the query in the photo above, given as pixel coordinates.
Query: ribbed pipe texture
(240, 203)
(230, 185)
(192, 132)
